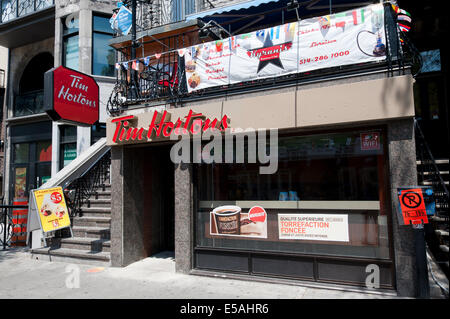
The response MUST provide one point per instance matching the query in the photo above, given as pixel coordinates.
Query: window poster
(20, 186)
(327, 227)
(233, 221)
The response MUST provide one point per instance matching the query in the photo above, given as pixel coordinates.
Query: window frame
(101, 15)
(62, 143)
(64, 38)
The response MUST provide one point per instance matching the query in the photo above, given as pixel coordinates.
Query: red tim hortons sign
(71, 96)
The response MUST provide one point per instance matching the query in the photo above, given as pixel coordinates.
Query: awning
(240, 16)
(238, 6)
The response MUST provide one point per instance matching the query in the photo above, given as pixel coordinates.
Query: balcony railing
(29, 103)
(164, 81)
(13, 9)
(154, 13)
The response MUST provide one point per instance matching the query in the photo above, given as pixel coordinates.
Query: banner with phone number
(345, 38)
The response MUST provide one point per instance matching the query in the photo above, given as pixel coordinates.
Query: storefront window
(68, 144)
(44, 151)
(97, 132)
(103, 56)
(335, 180)
(21, 152)
(70, 43)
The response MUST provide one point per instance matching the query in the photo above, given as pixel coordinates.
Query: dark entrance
(159, 200)
(31, 154)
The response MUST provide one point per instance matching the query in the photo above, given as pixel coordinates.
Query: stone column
(56, 147)
(116, 206)
(183, 218)
(85, 40)
(57, 56)
(403, 172)
(85, 64)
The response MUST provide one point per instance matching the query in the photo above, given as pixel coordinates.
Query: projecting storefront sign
(71, 96)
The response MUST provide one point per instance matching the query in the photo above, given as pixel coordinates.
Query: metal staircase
(435, 173)
(88, 195)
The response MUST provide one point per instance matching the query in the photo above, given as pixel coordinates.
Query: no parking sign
(415, 203)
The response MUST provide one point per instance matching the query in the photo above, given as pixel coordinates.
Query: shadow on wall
(401, 90)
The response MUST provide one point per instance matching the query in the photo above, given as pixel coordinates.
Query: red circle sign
(56, 197)
(257, 214)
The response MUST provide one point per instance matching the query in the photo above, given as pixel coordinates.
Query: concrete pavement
(154, 277)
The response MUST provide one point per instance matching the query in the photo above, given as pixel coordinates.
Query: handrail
(83, 175)
(79, 165)
(430, 155)
(7, 223)
(78, 191)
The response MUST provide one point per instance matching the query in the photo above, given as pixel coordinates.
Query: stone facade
(128, 243)
(20, 56)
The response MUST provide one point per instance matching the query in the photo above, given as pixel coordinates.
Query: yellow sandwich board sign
(52, 209)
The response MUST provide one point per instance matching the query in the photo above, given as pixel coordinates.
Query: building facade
(326, 173)
(41, 35)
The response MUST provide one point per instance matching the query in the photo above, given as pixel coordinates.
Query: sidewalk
(154, 277)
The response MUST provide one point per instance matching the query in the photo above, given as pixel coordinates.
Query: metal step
(440, 232)
(72, 255)
(87, 244)
(437, 161)
(440, 172)
(91, 232)
(92, 221)
(96, 211)
(100, 202)
(431, 183)
(438, 219)
(444, 248)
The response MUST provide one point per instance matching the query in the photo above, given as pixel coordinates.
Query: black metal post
(5, 212)
(133, 48)
(423, 287)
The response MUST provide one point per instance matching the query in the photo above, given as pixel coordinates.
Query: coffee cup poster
(52, 209)
(233, 221)
(344, 38)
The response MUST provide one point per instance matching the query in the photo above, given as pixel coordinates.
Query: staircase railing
(429, 171)
(81, 176)
(82, 188)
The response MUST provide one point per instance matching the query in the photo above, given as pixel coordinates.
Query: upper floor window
(70, 54)
(11, 9)
(103, 56)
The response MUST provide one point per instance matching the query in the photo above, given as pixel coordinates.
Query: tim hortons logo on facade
(161, 126)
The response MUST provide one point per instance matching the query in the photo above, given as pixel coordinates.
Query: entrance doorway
(31, 155)
(159, 199)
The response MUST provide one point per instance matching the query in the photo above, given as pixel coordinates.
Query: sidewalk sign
(47, 213)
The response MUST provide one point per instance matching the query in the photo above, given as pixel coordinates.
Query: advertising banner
(344, 38)
(232, 221)
(326, 227)
(52, 209)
